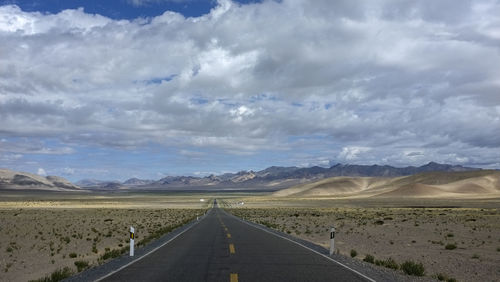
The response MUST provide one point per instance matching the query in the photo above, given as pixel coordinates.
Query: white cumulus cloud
(41, 172)
(399, 76)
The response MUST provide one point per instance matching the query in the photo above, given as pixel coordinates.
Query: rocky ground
(38, 241)
(451, 243)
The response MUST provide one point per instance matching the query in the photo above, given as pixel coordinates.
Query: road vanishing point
(221, 247)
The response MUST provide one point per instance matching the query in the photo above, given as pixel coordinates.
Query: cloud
(149, 2)
(191, 154)
(241, 112)
(352, 153)
(68, 171)
(414, 154)
(7, 158)
(26, 146)
(393, 76)
(41, 172)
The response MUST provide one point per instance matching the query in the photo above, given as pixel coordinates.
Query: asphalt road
(222, 248)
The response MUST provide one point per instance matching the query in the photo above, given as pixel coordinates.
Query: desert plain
(44, 231)
(454, 239)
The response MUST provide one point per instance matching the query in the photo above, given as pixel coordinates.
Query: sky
(150, 88)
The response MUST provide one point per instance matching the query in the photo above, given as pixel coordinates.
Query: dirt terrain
(42, 235)
(459, 243)
(453, 238)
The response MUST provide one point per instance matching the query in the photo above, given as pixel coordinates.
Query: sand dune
(471, 184)
(22, 180)
(325, 187)
(415, 190)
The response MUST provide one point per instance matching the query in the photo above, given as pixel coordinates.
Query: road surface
(223, 248)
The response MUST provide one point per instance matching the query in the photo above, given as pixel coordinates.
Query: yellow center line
(228, 235)
(231, 249)
(233, 277)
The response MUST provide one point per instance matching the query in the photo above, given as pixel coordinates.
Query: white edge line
(297, 243)
(148, 253)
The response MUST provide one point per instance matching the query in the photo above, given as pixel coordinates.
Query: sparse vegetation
(413, 268)
(389, 263)
(57, 275)
(369, 258)
(451, 246)
(7, 266)
(356, 229)
(444, 277)
(162, 231)
(269, 225)
(68, 239)
(81, 265)
(354, 253)
(112, 254)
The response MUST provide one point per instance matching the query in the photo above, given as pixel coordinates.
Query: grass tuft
(444, 277)
(160, 232)
(354, 253)
(451, 246)
(369, 258)
(57, 275)
(389, 263)
(111, 254)
(81, 265)
(413, 268)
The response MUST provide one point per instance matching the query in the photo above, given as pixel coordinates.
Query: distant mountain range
(430, 180)
(271, 178)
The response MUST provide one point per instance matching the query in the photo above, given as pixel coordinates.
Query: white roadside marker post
(132, 236)
(332, 240)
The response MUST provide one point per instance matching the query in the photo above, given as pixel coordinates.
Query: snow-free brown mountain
(22, 181)
(271, 178)
(436, 184)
